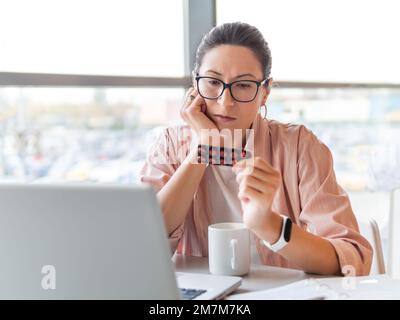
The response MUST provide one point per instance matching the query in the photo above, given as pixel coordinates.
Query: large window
(118, 37)
(80, 134)
(85, 132)
(102, 133)
(333, 41)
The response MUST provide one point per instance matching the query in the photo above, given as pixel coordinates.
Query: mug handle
(233, 244)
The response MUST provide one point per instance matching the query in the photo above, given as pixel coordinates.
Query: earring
(265, 112)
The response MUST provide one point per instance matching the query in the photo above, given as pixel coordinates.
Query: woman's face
(230, 63)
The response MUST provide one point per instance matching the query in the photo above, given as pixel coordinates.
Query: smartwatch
(284, 237)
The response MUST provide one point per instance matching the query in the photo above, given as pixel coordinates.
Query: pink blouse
(309, 194)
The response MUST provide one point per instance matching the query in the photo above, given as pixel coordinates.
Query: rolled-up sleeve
(326, 208)
(161, 163)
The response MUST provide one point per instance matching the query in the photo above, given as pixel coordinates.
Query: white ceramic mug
(229, 249)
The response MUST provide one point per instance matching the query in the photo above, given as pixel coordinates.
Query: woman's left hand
(258, 185)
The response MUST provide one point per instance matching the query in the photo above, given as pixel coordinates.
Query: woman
(289, 178)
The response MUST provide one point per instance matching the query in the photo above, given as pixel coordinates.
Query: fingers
(247, 193)
(252, 162)
(189, 98)
(253, 182)
(265, 184)
(189, 92)
(195, 102)
(192, 101)
(248, 166)
(193, 112)
(186, 103)
(261, 180)
(257, 173)
(190, 95)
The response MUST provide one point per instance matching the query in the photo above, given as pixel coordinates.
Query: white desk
(263, 277)
(260, 276)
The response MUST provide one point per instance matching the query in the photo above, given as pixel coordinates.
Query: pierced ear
(269, 86)
(265, 98)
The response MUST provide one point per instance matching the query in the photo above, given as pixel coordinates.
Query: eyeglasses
(241, 90)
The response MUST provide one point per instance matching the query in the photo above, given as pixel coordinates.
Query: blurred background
(86, 85)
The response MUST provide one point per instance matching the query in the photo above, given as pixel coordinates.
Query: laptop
(91, 241)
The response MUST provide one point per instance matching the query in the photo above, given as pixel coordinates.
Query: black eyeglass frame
(229, 86)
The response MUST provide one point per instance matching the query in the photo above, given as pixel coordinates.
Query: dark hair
(236, 33)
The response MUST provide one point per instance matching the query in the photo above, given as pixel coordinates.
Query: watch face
(288, 230)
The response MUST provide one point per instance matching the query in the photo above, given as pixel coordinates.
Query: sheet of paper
(334, 288)
(300, 290)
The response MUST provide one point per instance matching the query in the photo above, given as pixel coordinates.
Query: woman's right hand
(193, 113)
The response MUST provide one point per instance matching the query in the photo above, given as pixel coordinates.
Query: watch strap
(284, 236)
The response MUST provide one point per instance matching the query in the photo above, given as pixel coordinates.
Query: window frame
(198, 18)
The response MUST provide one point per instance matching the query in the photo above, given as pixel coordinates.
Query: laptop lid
(85, 241)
